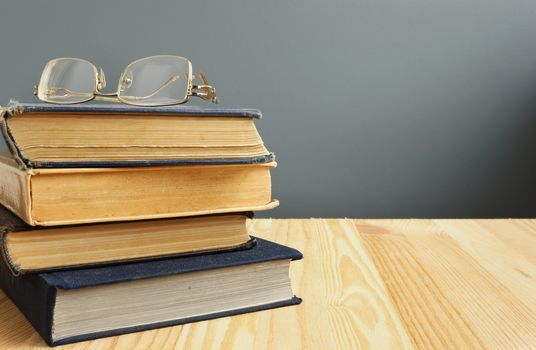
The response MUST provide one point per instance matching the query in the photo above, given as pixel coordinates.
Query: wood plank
(443, 294)
(500, 247)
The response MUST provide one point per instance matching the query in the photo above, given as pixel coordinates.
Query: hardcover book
(70, 306)
(92, 135)
(98, 163)
(29, 249)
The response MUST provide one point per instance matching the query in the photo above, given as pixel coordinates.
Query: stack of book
(116, 219)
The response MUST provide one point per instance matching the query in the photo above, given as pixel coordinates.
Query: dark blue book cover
(36, 294)
(94, 109)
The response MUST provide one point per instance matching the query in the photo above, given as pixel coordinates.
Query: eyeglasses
(151, 81)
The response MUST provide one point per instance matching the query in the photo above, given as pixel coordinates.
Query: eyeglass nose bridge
(101, 80)
(101, 84)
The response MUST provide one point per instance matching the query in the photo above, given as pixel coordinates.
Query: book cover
(117, 243)
(50, 197)
(256, 152)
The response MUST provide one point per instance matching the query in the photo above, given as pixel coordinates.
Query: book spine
(4, 252)
(34, 298)
(10, 142)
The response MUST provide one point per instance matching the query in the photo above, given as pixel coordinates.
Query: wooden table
(381, 284)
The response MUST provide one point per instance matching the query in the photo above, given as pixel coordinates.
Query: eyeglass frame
(206, 91)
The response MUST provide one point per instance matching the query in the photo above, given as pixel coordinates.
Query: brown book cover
(28, 248)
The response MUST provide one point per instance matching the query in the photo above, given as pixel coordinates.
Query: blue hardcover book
(77, 164)
(76, 305)
(41, 135)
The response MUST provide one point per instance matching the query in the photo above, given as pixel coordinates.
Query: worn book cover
(41, 135)
(30, 249)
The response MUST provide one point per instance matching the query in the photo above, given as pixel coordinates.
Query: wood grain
(345, 303)
(383, 284)
(454, 282)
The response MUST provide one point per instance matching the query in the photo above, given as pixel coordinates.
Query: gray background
(376, 108)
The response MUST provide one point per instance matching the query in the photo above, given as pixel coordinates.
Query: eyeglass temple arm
(108, 97)
(208, 92)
